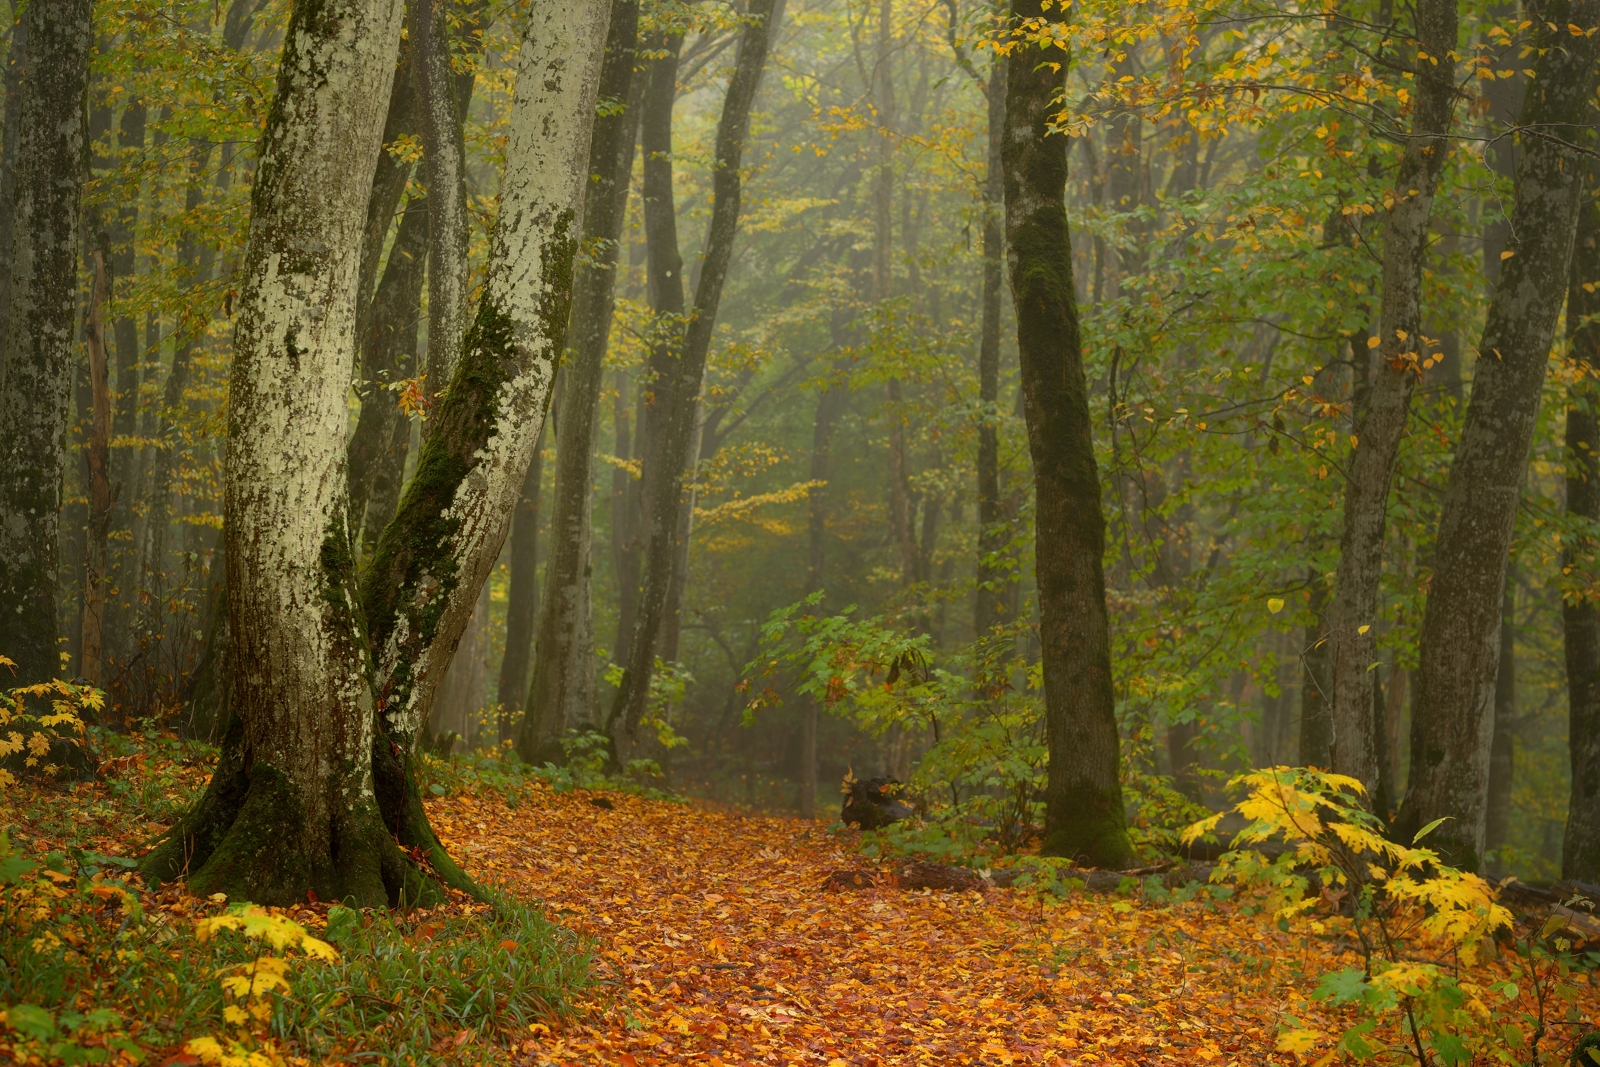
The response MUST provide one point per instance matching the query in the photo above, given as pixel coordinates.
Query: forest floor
(715, 940)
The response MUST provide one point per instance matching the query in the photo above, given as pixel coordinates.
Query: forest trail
(724, 949)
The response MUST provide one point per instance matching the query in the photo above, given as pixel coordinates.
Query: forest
(800, 531)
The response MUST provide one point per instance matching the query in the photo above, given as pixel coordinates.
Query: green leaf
(343, 922)
(32, 1020)
(1428, 829)
(436, 789)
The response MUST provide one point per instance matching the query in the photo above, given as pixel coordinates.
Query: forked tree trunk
(1580, 556)
(1453, 712)
(681, 387)
(560, 693)
(315, 789)
(1352, 630)
(36, 362)
(1084, 816)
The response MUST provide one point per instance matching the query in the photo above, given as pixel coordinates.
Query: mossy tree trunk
(1453, 716)
(1403, 359)
(1084, 817)
(315, 789)
(36, 362)
(1580, 616)
(560, 691)
(679, 393)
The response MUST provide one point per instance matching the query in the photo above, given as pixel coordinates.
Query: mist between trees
(1057, 410)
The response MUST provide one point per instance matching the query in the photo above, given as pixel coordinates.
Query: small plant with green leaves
(1418, 923)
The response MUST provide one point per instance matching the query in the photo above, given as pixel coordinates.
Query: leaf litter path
(721, 948)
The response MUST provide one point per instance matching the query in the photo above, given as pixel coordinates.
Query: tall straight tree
(561, 691)
(1453, 714)
(36, 361)
(315, 789)
(680, 392)
(1580, 617)
(1352, 634)
(995, 587)
(1084, 816)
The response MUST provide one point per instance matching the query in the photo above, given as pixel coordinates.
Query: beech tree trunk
(522, 599)
(560, 694)
(315, 790)
(679, 391)
(1084, 816)
(36, 361)
(1580, 556)
(993, 602)
(96, 571)
(1502, 747)
(1403, 357)
(1453, 711)
(125, 416)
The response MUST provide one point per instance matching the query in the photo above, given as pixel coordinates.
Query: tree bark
(16, 69)
(36, 372)
(1316, 725)
(319, 776)
(1084, 816)
(388, 355)
(1403, 357)
(1502, 747)
(1452, 718)
(992, 603)
(97, 574)
(561, 693)
(1580, 556)
(522, 600)
(681, 388)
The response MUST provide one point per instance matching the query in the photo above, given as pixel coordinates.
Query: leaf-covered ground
(722, 948)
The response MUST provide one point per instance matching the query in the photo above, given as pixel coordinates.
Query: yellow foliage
(261, 925)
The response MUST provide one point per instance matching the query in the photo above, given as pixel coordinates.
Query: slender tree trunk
(1083, 796)
(1403, 358)
(319, 776)
(1453, 720)
(388, 356)
(389, 180)
(1502, 747)
(624, 497)
(682, 387)
(1316, 724)
(97, 575)
(522, 602)
(36, 372)
(443, 120)
(993, 529)
(1580, 556)
(16, 69)
(561, 692)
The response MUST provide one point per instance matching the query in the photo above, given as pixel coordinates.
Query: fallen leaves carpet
(717, 945)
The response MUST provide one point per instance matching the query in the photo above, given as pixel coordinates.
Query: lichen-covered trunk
(1580, 615)
(388, 351)
(1453, 711)
(560, 694)
(1403, 358)
(291, 808)
(434, 557)
(681, 385)
(11, 133)
(1084, 816)
(96, 572)
(992, 601)
(36, 361)
(522, 597)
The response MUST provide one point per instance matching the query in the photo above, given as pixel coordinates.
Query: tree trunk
(522, 600)
(36, 375)
(1403, 358)
(16, 69)
(993, 529)
(97, 575)
(1453, 720)
(1084, 815)
(442, 107)
(389, 180)
(681, 389)
(624, 499)
(1502, 747)
(1316, 725)
(830, 404)
(319, 775)
(1580, 556)
(561, 693)
(388, 356)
